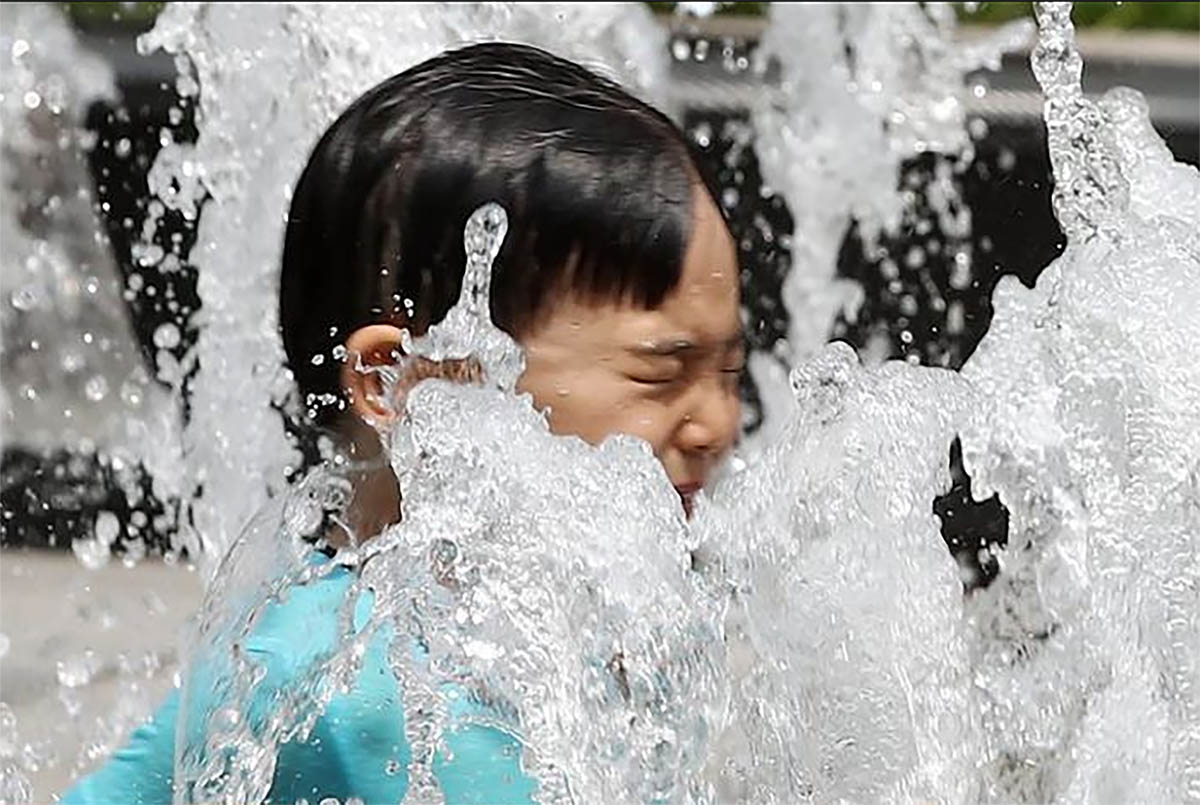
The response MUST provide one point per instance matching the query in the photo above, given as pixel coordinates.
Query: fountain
(805, 636)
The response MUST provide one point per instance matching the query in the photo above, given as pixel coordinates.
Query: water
(864, 88)
(804, 637)
(251, 148)
(1086, 648)
(68, 348)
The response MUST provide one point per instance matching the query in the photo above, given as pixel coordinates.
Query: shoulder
(358, 747)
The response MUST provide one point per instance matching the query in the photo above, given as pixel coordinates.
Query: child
(618, 277)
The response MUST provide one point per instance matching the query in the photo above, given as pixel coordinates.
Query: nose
(709, 420)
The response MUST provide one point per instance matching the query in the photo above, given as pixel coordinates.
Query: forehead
(706, 301)
(703, 308)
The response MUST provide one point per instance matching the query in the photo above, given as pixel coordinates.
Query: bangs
(599, 211)
(599, 227)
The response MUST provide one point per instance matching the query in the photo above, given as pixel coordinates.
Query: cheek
(594, 405)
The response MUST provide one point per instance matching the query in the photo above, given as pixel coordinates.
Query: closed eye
(652, 381)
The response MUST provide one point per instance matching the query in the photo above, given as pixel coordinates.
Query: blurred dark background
(48, 500)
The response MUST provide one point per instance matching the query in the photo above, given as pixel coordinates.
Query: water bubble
(96, 388)
(24, 298)
(32, 100)
(167, 336)
(71, 360)
(8, 731)
(77, 670)
(107, 527)
(15, 786)
(187, 86)
(147, 254)
(131, 393)
(123, 148)
(915, 257)
(19, 48)
(680, 49)
(135, 552)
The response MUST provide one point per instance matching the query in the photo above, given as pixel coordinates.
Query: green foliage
(1128, 15)
(113, 16)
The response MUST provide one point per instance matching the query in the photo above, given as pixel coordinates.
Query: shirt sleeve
(138, 773)
(356, 749)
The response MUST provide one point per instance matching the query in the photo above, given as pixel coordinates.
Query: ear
(369, 347)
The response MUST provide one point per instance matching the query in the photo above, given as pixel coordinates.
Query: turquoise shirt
(357, 748)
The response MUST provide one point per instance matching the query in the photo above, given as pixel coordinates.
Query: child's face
(668, 375)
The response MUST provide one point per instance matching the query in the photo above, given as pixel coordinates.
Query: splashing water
(66, 336)
(852, 684)
(865, 87)
(513, 571)
(1087, 647)
(804, 637)
(252, 146)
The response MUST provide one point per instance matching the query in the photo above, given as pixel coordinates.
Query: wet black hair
(597, 185)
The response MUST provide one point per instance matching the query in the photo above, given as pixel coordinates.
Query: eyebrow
(673, 347)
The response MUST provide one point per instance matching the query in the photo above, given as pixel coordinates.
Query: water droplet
(131, 393)
(147, 254)
(107, 527)
(19, 48)
(24, 299)
(8, 731)
(32, 100)
(135, 552)
(96, 388)
(166, 336)
(71, 361)
(77, 670)
(123, 148)
(187, 86)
